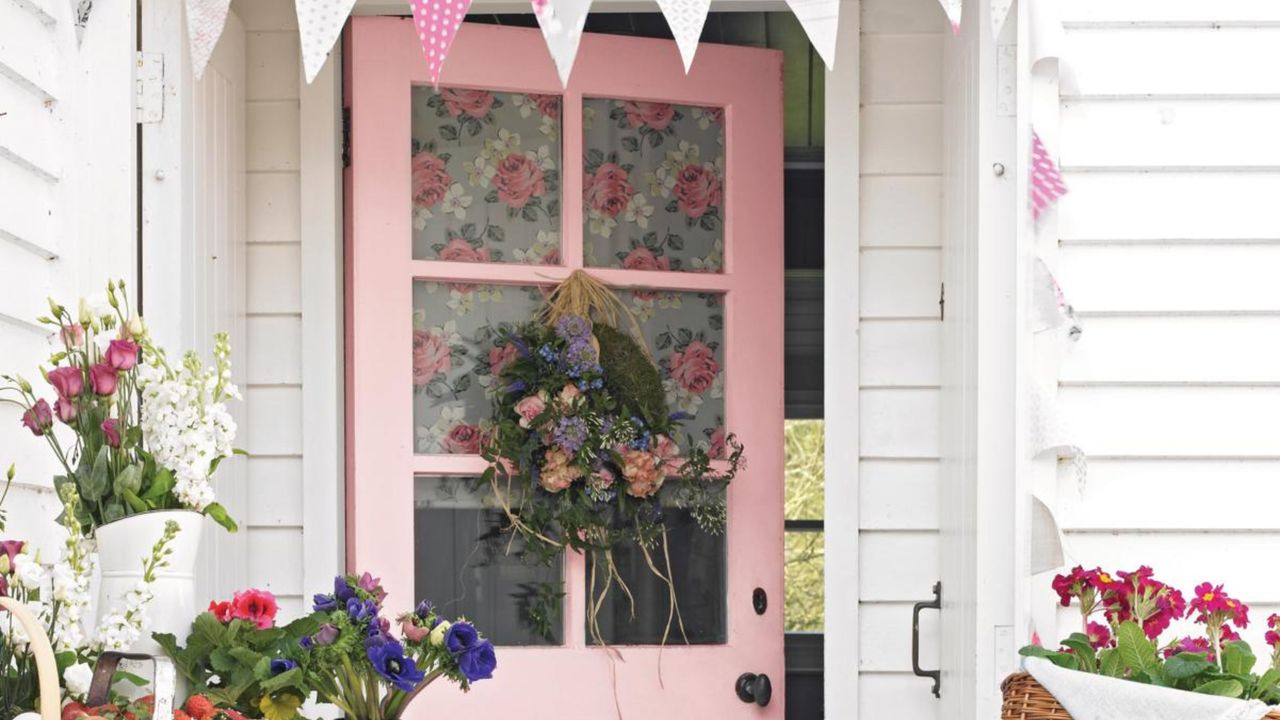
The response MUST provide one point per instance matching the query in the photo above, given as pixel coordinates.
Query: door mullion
(571, 220)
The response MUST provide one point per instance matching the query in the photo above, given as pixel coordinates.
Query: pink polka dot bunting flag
(437, 24)
(1046, 181)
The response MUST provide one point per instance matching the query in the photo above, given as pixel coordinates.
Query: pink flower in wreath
(666, 448)
(697, 190)
(518, 180)
(694, 369)
(430, 356)
(463, 439)
(548, 105)
(569, 394)
(716, 444)
(642, 472)
(652, 114)
(607, 191)
(473, 103)
(431, 180)
(500, 356)
(557, 473)
(530, 408)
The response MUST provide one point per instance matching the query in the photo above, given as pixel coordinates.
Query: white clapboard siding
(274, 325)
(901, 165)
(1168, 235)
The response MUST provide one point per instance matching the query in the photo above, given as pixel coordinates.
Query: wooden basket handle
(46, 668)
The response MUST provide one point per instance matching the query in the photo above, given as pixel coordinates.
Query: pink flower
(696, 368)
(569, 394)
(602, 479)
(122, 354)
(1099, 635)
(462, 439)
(256, 606)
(65, 410)
(642, 472)
(111, 429)
(221, 610)
(430, 356)
(530, 408)
(1215, 607)
(412, 632)
(39, 419)
(716, 443)
(518, 180)
(1078, 584)
(608, 191)
(666, 448)
(551, 258)
(642, 258)
(500, 356)
(697, 190)
(716, 114)
(652, 114)
(459, 250)
(1226, 634)
(10, 549)
(548, 105)
(68, 382)
(72, 335)
(103, 379)
(473, 103)
(557, 474)
(1190, 645)
(431, 180)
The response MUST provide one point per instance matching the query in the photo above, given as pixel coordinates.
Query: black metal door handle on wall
(934, 604)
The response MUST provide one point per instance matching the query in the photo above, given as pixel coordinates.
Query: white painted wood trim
(400, 7)
(323, 488)
(840, 359)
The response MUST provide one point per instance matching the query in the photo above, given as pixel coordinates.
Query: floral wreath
(582, 449)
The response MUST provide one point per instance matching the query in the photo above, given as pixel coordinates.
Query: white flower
(28, 572)
(420, 217)
(455, 202)
(77, 679)
(639, 211)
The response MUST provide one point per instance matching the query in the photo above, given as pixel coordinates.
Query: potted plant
(137, 438)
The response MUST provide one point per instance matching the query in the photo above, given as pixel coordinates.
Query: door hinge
(942, 301)
(148, 87)
(934, 604)
(346, 137)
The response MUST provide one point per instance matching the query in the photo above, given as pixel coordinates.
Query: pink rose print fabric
(654, 182)
(486, 176)
(437, 23)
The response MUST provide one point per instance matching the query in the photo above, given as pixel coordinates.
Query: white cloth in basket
(1097, 697)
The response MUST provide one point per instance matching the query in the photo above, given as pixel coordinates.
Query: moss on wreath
(630, 375)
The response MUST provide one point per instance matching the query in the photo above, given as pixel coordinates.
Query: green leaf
(1136, 651)
(1226, 687)
(448, 133)
(95, 483)
(1061, 659)
(630, 143)
(1238, 658)
(113, 510)
(1186, 665)
(1268, 680)
(1110, 664)
(135, 502)
(160, 487)
(134, 680)
(1082, 649)
(220, 516)
(129, 479)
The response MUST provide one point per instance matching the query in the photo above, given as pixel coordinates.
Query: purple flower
(424, 609)
(359, 610)
(462, 636)
(326, 635)
(479, 662)
(388, 660)
(282, 665)
(518, 386)
(324, 603)
(305, 642)
(373, 586)
(570, 433)
(342, 591)
(572, 327)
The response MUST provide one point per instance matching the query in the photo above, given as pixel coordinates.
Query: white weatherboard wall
(274, 343)
(67, 219)
(1170, 245)
(901, 237)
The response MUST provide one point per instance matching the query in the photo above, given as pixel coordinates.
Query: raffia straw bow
(582, 295)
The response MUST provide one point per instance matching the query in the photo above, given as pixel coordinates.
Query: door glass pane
(486, 176)
(454, 326)
(468, 566)
(698, 570)
(653, 189)
(685, 335)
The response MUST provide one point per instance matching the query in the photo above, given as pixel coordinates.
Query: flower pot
(123, 547)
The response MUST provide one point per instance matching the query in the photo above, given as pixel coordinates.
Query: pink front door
(464, 204)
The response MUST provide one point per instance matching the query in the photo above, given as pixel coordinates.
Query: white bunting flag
(319, 23)
(820, 20)
(686, 18)
(999, 12)
(954, 9)
(562, 22)
(205, 20)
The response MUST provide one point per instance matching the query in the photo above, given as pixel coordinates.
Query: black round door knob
(753, 688)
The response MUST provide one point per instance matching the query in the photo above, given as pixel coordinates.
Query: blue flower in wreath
(324, 603)
(360, 610)
(476, 658)
(388, 660)
(282, 665)
(342, 590)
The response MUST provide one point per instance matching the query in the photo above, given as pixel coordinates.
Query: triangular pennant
(562, 22)
(999, 12)
(319, 23)
(437, 23)
(954, 9)
(686, 18)
(205, 20)
(1046, 181)
(820, 20)
(80, 9)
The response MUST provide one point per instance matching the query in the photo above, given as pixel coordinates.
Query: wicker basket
(1026, 699)
(46, 668)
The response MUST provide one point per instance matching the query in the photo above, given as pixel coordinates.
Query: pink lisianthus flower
(72, 335)
(39, 419)
(68, 382)
(122, 354)
(103, 379)
(65, 410)
(111, 430)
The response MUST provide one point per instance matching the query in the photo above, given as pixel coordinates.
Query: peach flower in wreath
(717, 445)
(431, 180)
(557, 473)
(608, 190)
(472, 103)
(463, 439)
(518, 180)
(697, 190)
(430, 356)
(530, 408)
(695, 368)
(643, 473)
(649, 114)
(666, 448)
